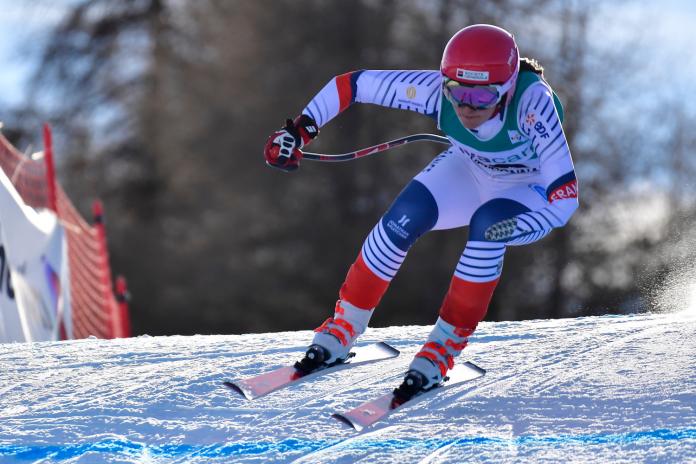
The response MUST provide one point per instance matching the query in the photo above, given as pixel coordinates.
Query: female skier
(508, 175)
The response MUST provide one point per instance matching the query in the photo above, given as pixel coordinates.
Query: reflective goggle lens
(478, 96)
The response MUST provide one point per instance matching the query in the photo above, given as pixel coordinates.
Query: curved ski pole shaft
(376, 148)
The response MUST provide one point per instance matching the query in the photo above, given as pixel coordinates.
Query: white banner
(35, 284)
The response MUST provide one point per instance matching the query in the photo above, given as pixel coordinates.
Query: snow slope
(599, 389)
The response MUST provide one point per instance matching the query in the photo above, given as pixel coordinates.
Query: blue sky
(669, 33)
(21, 23)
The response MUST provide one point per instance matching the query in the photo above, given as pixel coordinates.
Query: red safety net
(96, 310)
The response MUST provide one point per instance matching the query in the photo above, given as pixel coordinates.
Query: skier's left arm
(540, 121)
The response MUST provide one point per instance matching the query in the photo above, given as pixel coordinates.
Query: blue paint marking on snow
(590, 439)
(134, 448)
(530, 440)
(33, 452)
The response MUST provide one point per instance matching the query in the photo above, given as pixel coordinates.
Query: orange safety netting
(95, 309)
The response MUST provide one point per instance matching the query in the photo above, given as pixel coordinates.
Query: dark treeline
(163, 108)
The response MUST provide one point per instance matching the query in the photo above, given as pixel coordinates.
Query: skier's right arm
(283, 147)
(417, 91)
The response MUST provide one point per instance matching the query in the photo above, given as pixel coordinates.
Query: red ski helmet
(481, 54)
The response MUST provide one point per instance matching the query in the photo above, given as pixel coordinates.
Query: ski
(263, 384)
(375, 410)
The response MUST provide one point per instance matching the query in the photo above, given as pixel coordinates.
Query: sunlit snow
(598, 389)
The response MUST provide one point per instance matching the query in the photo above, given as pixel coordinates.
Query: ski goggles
(478, 97)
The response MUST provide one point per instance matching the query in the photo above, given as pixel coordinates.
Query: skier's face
(472, 118)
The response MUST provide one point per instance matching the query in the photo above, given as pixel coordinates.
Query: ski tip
(473, 366)
(388, 348)
(348, 422)
(235, 387)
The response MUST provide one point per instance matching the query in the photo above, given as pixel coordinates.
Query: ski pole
(377, 148)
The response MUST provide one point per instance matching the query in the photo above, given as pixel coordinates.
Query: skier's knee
(413, 213)
(491, 212)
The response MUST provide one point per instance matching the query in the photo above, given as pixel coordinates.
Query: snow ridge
(598, 389)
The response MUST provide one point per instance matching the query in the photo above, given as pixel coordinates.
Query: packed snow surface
(597, 389)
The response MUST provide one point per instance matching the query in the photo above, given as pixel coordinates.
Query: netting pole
(122, 298)
(50, 168)
(120, 320)
(104, 271)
